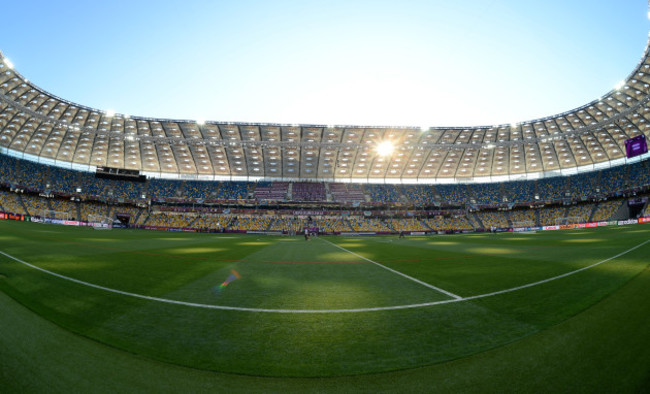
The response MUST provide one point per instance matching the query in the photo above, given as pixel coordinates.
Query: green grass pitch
(128, 310)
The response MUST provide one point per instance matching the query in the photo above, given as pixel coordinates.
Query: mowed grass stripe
(452, 295)
(571, 356)
(470, 265)
(317, 344)
(211, 287)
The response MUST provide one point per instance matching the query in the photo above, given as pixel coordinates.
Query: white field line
(262, 310)
(452, 295)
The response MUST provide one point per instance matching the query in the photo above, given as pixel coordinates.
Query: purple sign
(636, 146)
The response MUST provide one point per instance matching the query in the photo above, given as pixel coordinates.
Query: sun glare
(385, 148)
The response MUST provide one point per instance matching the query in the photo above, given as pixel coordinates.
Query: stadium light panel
(9, 64)
(110, 113)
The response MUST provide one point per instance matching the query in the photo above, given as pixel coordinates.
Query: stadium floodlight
(385, 148)
(619, 85)
(110, 113)
(200, 122)
(9, 64)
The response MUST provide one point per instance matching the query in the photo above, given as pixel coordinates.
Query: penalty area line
(450, 294)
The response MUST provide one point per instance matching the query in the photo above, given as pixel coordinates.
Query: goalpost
(52, 214)
(100, 222)
(524, 224)
(569, 220)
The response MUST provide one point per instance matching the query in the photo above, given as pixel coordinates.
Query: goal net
(99, 222)
(52, 214)
(569, 220)
(523, 226)
(524, 223)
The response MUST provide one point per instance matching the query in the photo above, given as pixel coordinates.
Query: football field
(287, 309)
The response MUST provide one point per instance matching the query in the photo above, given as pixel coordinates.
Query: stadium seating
(307, 191)
(521, 217)
(419, 195)
(10, 203)
(552, 216)
(490, 219)
(440, 223)
(453, 194)
(347, 193)
(105, 195)
(271, 191)
(252, 223)
(606, 209)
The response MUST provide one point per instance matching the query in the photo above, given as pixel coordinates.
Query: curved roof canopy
(37, 125)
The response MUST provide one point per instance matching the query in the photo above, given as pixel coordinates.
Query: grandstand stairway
(49, 204)
(593, 212)
(144, 223)
(474, 220)
(22, 203)
(328, 193)
(622, 213)
(77, 206)
(566, 213)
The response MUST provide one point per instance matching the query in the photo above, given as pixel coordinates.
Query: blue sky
(412, 63)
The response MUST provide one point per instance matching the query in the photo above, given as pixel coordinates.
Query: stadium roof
(40, 126)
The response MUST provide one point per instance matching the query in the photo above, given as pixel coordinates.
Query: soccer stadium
(154, 254)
